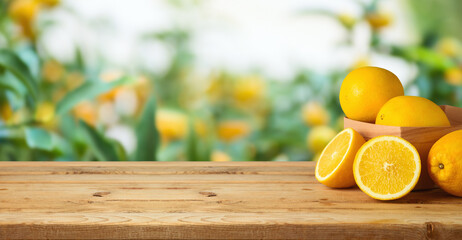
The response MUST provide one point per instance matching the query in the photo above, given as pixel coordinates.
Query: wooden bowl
(422, 138)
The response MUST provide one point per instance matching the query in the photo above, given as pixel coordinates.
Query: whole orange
(445, 163)
(365, 90)
(412, 111)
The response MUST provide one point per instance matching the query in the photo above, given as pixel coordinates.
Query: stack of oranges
(388, 167)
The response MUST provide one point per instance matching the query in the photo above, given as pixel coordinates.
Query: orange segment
(387, 167)
(335, 165)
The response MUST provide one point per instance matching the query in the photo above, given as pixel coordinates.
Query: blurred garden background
(204, 80)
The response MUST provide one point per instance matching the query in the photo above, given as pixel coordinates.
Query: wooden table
(206, 200)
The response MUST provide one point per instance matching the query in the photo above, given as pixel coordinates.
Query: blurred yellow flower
(232, 130)
(6, 112)
(49, 3)
(52, 71)
(87, 112)
(45, 112)
(249, 89)
(110, 95)
(171, 124)
(378, 20)
(110, 76)
(449, 46)
(219, 156)
(361, 62)
(129, 99)
(347, 20)
(20, 115)
(219, 88)
(453, 76)
(74, 79)
(319, 137)
(314, 114)
(24, 12)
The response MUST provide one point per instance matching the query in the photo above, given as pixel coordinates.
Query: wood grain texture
(207, 200)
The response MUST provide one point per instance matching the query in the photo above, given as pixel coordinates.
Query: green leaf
(206, 150)
(11, 62)
(103, 148)
(197, 149)
(79, 59)
(424, 85)
(88, 90)
(192, 148)
(61, 145)
(38, 138)
(11, 151)
(424, 55)
(147, 134)
(120, 150)
(7, 82)
(172, 152)
(8, 133)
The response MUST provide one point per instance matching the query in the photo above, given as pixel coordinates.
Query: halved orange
(387, 167)
(335, 164)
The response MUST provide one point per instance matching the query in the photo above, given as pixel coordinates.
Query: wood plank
(205, 198)
(226, 226)
(186, 178)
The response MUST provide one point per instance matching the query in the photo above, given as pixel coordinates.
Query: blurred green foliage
(438, 18)
(66, 111)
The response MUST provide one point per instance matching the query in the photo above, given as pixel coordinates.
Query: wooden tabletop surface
(206, 200)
